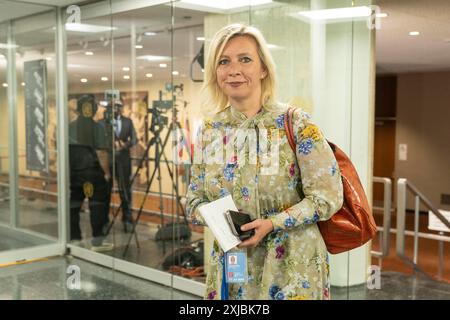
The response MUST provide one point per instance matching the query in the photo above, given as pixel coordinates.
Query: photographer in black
(89, 173)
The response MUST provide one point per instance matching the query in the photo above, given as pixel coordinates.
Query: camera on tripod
(159, 107)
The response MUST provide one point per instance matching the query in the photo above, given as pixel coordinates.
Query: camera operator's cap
(86, 106)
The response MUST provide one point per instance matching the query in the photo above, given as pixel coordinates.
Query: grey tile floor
(41, 217)
(46, 280)
(396, 286)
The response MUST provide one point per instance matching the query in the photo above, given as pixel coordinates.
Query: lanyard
(224, 288)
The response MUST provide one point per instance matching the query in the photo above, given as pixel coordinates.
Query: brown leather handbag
(353, 225)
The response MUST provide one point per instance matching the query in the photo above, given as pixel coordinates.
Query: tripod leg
(157, 159)
(160, 191)
(141, 161)
(125, 193)
(174, 185)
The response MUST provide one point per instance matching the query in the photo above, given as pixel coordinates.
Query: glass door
(28, 183)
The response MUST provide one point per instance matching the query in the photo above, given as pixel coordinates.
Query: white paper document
(214, 215)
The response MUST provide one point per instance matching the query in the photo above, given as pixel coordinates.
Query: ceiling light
(221, 4)
(381, 15)
(201, 38)
(333, 14)
(126, 68)
(149, 75)
(275, 47)
(149, 33)
(414, 33)
(90, 28)
(8, 46)
(175, 73)
(89, 53)
(48, 58)
(126, 77)
(152, 58)
(5, 85)
(23, 84)
(104, 78)
(139, 46)
(163, 65)
(84, 80)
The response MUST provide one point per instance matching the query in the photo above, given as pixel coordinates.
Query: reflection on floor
(150, 253)
(396, 286)
(37, 216)
(34, 215)
(12, 239)
(41, 216)
(46, 280)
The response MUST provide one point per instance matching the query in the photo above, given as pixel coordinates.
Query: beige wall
(423, 115)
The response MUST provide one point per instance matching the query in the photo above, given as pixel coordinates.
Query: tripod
(158, 121)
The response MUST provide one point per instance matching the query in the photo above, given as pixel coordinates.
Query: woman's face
(240, 70)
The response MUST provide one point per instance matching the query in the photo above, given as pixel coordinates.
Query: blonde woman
(286, 257)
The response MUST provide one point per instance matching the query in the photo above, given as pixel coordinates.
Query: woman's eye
(223, 62)
(246, 59)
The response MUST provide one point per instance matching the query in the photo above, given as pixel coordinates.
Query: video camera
(159, 107)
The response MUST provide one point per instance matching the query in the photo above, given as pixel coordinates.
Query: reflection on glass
(144, 72)
(35, 220)
(5, 215)
(35, 67)
(90, 96)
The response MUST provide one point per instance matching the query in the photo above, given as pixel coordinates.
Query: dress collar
(241, 117)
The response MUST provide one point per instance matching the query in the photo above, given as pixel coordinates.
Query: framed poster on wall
(35, 75)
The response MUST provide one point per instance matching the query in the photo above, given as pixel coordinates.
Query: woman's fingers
(251, 225)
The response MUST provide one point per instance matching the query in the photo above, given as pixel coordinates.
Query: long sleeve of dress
(320, 178)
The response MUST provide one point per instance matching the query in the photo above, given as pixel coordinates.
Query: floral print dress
(292, 261)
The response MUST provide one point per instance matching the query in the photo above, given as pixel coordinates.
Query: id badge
(236, 266)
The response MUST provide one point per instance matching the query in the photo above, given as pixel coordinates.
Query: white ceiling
(184, 46)
(398, 52)
(12, 9)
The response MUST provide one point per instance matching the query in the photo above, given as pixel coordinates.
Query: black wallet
(237, 219)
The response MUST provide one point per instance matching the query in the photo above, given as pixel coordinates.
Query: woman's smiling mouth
(234, 84)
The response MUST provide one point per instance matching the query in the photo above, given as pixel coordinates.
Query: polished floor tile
(48, 280)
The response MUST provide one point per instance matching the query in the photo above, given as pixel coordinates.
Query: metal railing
(402, 186)
(385, 230)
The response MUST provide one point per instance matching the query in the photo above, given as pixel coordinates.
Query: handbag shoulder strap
(288, 126)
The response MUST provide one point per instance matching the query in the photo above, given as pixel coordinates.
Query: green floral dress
(292, 261)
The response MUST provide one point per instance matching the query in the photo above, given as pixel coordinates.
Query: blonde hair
(214, 100)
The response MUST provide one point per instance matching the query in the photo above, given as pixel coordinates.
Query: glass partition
(5, 215)
(36, 123)
(28, 187)
(144, 67)
(90, 82)
(134, 74)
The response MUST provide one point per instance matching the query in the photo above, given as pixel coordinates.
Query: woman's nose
(234, 69)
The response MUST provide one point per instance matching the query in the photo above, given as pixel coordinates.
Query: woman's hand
(262, 228)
